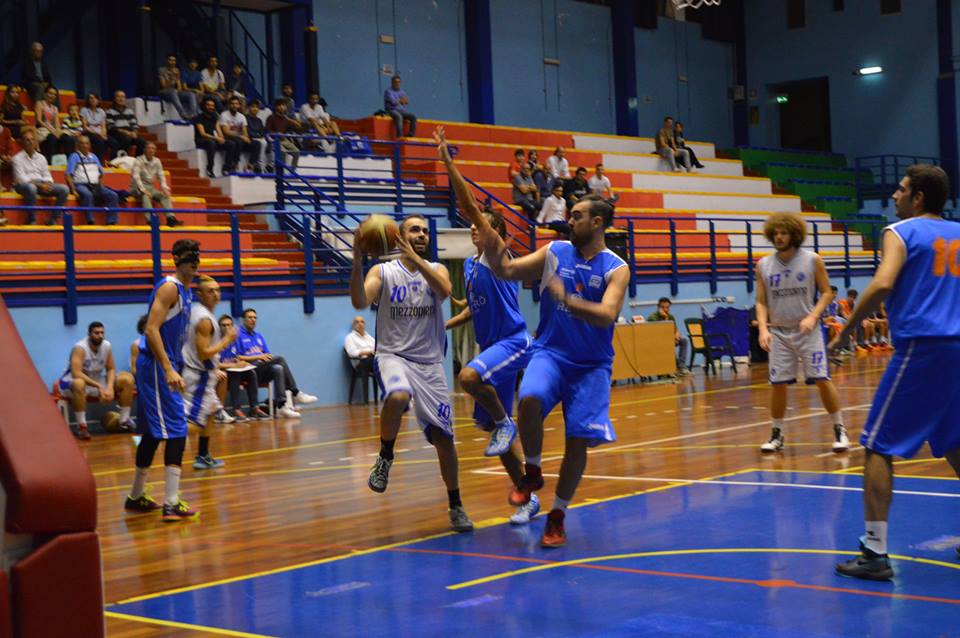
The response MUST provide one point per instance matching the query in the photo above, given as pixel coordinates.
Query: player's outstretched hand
(439, 136)
(357, 250)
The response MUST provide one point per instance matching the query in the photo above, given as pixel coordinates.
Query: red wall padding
(58, 589)
(47, 480)
(5, 629)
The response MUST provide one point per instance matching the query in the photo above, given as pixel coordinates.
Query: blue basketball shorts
(499, 366)
(160, 410)
(917, 400)
(582, 390)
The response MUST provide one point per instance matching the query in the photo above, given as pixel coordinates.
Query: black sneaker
(379, 474)
(775, 444)
(173, 222)
(869, 565)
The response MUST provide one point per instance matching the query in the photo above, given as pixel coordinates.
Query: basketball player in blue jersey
(501, 332)
(411, 344)
(583, 284)
(160, 387)
(918, 398)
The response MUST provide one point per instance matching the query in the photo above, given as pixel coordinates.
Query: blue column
(479, 61)
(947, 95)
(623, 19)
(741, 115)
(293, 61)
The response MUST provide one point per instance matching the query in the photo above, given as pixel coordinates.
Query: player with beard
(411, 344)
(788, 315)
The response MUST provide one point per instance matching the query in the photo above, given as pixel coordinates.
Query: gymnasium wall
(893, 112)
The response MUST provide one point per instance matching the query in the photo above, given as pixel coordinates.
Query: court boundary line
(182, 625)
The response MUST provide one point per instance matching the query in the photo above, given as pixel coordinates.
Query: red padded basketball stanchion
(5, 630)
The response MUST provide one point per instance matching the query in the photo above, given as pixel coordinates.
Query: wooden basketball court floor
(680, 528)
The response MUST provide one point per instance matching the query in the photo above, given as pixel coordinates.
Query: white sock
(171, 493)
(139, 482)
(560, 503)
(876, 537)
(124, 414)
(503, 421)
(534, 460)
(778, 423)
(81, 418)
(837, 417)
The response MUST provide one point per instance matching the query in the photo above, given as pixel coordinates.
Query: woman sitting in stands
(11, 113)
(51, 135)
(95, 124)
(682, 143)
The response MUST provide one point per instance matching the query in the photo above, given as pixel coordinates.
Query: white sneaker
(303, 398)
(775, 444)
(287, 412)
(525, 513)
(224, 417)
(841, 442)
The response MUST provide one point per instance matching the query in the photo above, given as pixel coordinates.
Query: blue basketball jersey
(493, 303)
(575, 340)
(925, 301)
(173, 332)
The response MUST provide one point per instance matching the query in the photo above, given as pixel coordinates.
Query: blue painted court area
(750, 554)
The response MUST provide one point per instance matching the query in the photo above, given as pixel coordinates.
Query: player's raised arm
(363, 291)
(468, 205)
(601, 313)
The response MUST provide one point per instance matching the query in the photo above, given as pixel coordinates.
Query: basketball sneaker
(553, 533)
(522, 493)
(141, 504)
(224, 417)
(207, 463)
(83, 433)
(379, 474)
(459, 521)
(869, 565)
(841, 442)
(525, 513)
(286, 412)
(775, 444)
(302, 398)
(501, 438)
(180, 511)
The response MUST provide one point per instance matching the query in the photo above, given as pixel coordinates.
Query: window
(838, 5)
(889, 7)
(796, 14)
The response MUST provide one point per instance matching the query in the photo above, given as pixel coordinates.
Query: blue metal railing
(886, 172)
(261, 71)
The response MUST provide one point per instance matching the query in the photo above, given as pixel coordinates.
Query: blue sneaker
(501, 439)
(525, 513)
(207, 463)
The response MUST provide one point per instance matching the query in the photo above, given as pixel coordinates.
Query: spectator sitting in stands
(233, 123)
(208, 135)
(662, 313)
(34, 73)
(238, 85)
(31, 177)
(526, 195)
(253, 349)
(279, 123)
(557, 165)
(72, 124)
(576, 188)
(600, 185)
(395, 103)
(192, 77)
(832, 318)
(360, 346)
(519, 161)
(313, 114)
(149, 184)
(533, 159)
(122, 126)
(91, 373)
(84, 176)
(239, 373)
(6, 159)
(287, 96)
(257, 131)
(682, 144)
(553, 212)
(52, 137)
(12, 111)
(880, 328)
(95, 124)
(678, 158)
(172, 90)
(213, 84)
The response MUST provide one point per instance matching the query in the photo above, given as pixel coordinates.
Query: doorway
(804, 107)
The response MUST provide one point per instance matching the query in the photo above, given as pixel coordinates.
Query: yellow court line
(183, 625)
(684, 552)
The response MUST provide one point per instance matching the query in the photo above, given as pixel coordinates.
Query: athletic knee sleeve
(173, 452)
(146, 449)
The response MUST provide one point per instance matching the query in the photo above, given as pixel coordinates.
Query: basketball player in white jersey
(789, 323)
(91, 372)
(411, 343)
(202, 375)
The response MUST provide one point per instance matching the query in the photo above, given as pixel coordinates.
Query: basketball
(111, 422)
(378, 235)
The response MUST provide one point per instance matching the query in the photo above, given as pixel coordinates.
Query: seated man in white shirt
(600, 185)
(313, 113)
(31, 177)
(83, 176)
(360, 346)
(553, 213)
(234, 125)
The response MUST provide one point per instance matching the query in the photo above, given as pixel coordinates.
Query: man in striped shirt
(122, 126)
